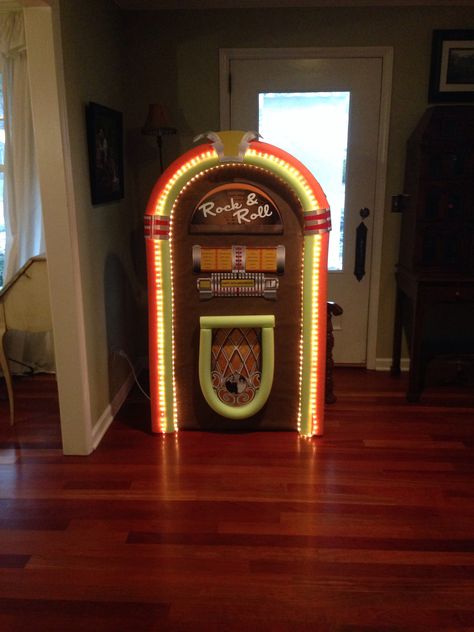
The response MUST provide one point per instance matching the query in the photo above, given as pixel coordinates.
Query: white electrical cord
(122, 354)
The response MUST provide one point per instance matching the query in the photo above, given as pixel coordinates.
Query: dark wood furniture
(333, 309)
(435, 274)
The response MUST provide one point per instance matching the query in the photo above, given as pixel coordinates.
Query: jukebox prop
(237, 237)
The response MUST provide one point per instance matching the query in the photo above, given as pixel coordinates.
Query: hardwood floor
(368, 528)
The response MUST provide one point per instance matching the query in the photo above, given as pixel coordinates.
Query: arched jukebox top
(237, 239)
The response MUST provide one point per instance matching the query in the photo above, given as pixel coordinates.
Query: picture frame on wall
(105, 147)
(452, 66)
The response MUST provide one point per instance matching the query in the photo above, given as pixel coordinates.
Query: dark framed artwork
(452, 66)
(105, 145)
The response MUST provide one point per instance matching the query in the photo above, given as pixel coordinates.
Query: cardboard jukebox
(237, 237)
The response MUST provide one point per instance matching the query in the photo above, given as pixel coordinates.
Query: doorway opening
(252, 76)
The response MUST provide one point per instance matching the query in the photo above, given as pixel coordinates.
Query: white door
(326, 112)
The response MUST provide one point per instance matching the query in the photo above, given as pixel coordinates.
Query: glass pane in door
(313, 127)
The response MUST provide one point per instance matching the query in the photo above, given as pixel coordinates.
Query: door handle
(361, 245)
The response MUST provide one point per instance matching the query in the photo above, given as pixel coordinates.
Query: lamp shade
(157, 121)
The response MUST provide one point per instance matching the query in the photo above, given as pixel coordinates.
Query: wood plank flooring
(368, 528)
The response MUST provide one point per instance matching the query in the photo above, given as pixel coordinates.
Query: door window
(313, 127)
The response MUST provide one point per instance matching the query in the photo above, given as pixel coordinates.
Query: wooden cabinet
(435, 273)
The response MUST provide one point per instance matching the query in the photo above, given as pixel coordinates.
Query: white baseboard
(103, 423)
(385, 364)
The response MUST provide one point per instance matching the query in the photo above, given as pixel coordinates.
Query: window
(2, 179)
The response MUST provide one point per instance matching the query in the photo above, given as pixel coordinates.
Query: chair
(24, 306)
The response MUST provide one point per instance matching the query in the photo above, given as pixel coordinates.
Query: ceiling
(144, 5)
(256, 4)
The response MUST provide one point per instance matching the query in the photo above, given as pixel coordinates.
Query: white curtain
(22, 202)
(23, 219)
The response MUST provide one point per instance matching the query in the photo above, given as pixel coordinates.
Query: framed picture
(105, 145)
(452, 67)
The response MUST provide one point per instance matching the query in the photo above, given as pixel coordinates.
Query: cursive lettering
(243, 215)
(252, 199)
(208, 208)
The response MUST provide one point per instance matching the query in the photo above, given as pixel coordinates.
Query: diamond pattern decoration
(236, 364)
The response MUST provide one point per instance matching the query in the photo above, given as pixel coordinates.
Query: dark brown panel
(280, 411)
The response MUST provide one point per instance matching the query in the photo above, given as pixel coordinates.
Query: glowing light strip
(160, 336)
(160, 206)
(313, 335)
(164, 198)
(308, 330)
(289, 173)
(315, 316)
(171, 327)
(301, 346)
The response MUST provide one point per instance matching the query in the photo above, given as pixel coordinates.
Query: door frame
(53, 153)
(385, 54)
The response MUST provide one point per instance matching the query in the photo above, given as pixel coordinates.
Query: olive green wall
(172, 57)
(92, 46)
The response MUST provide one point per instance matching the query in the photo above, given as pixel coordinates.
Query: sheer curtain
(22, 201)
(23, 220)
